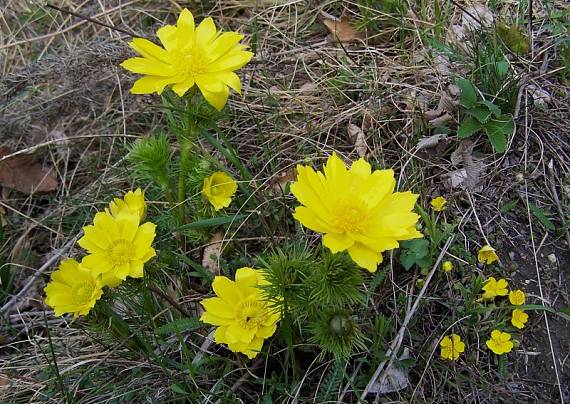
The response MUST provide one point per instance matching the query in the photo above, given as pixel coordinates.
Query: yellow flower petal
(364, 257)
(181, 88)
(153, 84)
(217, 100)
(311, 220)
(149, 50)
(230, 62)
(337, 242)
(236, 333)
(206, 31)
(246, 278)
(167, 36)
(151, 67)
(224, 43)
(185, 29)
(226, 289)
(218, 308)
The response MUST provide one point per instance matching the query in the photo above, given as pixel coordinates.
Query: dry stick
(539, 282)
(170, 300)
(204, 347)
(534, 250)
(52, 34)
(94, 21)
(557, 200)
(395, 346)
(31, 281)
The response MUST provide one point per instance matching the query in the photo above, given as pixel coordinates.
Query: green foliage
(6, 275)
(415, 252)
(541, 216)
(179, 325)
(377, 14)
(491, 71)
(336, 332)
(316, 294)
(152, 160)
(513, 37)
(483, 115)
(335, 283)
(328, 389)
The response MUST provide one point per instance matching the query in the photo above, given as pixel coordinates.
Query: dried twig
(395, 346)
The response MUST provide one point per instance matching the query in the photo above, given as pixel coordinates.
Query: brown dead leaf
(470, 176)
(279, 182)
(23, 173)
(212, 253)
(356, 135)
(341, 29)
(308, 88)
(427, 142)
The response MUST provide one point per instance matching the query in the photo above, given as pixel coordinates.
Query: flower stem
(185, 147)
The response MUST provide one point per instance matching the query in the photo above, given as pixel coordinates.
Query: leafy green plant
(513, 37)
(483, 115)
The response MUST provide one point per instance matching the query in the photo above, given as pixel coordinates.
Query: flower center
(190, 64)
(82, 292)
(121, 252)
(350, 216)
(251, 314)
(217, 189)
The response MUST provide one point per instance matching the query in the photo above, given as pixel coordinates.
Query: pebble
(552, 258)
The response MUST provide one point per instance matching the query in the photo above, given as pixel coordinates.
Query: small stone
(552, 258)
(512, 255)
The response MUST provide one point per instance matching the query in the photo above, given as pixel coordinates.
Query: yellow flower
(73, 289)
(240, 311)
(438, 204)
(203, 56)
(516, 297)
(487, 255)
(356, 209)
(447, 266)
(118, 247)
(494, 288)
(519, 318)
(500, 342)
(133, 202)
(219, 189)
(451, 347)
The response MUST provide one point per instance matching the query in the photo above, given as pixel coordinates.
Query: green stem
(185, 147)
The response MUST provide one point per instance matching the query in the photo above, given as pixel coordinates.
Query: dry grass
(63, 96)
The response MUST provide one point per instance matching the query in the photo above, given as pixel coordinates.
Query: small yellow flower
(356, 209)
(487, 255)
(494, 288)
(447, 266)
(132, 202)
(519, 318)
(241, 312)
(73, 289)
(517, 297)
(500, 342)
(438, 204)
(118, 247)
(201, 56)
(451, 347)
(218, 189)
